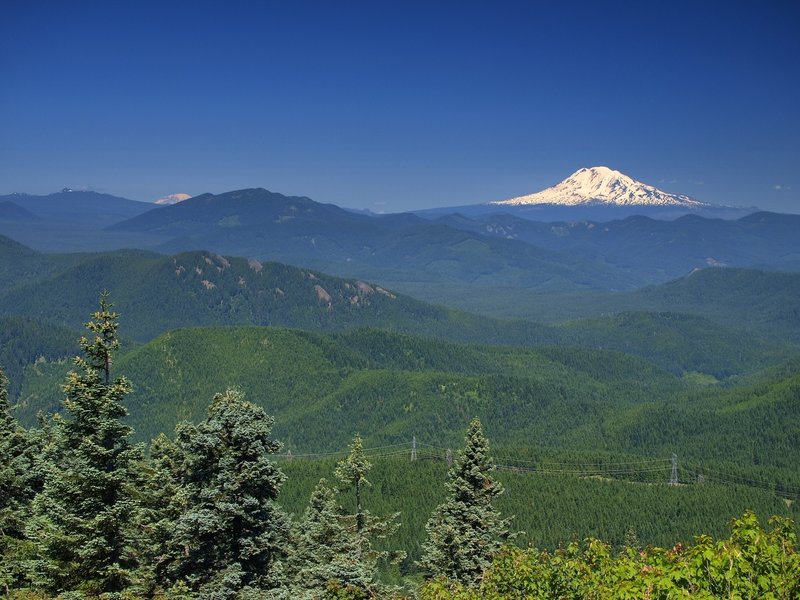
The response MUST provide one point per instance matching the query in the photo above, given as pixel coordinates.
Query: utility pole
(673, 477)
(413, 448)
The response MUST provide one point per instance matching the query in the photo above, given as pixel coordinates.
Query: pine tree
(465, 531)
(353, 471)
(324, 549)
(231, 535)
(83, 517)
(365, 529)
(16, 493)
(163, 501)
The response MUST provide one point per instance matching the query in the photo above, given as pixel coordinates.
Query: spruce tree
(352, 471)
(325, 550)
(232, 535)
(16, 493)
(83, 517)
(163, 501)
(466, 530)
(365, 529)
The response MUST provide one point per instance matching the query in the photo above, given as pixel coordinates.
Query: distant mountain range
(71, 206)
(269, 226)
(654, 248)
(499, 248)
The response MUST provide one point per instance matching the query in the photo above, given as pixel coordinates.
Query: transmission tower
(673, 477)
(413, 448)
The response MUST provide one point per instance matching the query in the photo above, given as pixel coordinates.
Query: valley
(591, 352)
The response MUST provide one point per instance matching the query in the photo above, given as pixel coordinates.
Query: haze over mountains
(496, 244)
(575, 337)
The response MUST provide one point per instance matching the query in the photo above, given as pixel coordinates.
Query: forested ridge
(220, 509)
(324, 388)
(755, 325)
(584, 418)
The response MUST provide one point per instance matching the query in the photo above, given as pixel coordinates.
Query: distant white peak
(172, 199)
(601, 185)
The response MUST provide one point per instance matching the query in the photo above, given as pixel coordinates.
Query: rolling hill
(156, 293)
(322, 389)
(766, 303)
(657, 250)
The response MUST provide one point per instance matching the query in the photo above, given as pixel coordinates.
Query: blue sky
(398, 105)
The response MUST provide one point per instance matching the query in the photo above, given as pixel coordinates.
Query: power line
(422, 450)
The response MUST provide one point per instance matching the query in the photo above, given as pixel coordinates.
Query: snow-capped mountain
(172, 199)
(601, 185)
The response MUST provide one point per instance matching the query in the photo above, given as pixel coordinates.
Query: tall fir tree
(325, 551)
(231, 535)
(352, 471)
(163, 501)
(365, 529)
(16, 493)
(466, 530)
(83, 518)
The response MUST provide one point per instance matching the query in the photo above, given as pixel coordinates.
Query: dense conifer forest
(221, 508)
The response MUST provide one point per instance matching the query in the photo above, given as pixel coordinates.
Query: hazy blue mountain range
(656, 248)
(157, 293)
(9, 211)
(269, 226)
(70, 221)
(491, 250)
(499, 250)
(79, 206)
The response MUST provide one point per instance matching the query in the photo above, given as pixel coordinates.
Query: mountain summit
(601, 185)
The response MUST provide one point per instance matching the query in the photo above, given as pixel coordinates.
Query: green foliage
(677, 342)
(230, 534)
(324, 548)
(752, 563)
(752, 302)
(24, 341)
(158, 293)
(551, 509)
(366, 528)
(466, 530)
(352, 472)
(163, 500)
(16, 492)
(367, 379)
(395, 386)
(83, 515)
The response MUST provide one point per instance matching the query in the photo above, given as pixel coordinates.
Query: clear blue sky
(398, 105)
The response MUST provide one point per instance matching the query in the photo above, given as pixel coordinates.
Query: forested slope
(390, 387)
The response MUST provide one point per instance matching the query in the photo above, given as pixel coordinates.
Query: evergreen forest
(239, 428)
(253, 462)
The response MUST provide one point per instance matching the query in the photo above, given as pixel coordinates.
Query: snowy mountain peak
(601, 185)
(172, 199)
